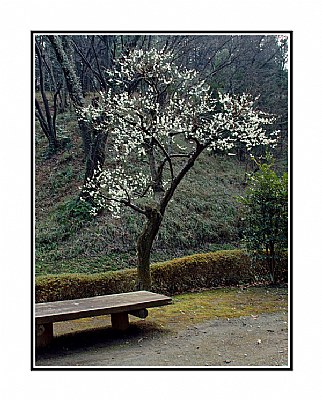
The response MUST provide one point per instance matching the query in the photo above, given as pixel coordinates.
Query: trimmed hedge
(199, 271)
(73, 286)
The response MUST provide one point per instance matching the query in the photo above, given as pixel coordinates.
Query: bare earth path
(245, 341)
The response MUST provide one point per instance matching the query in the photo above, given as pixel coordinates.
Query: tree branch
(85, 60)
(126, 203)
(180, 176)
(160, 168)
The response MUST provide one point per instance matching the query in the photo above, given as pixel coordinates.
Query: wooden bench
(118, 305)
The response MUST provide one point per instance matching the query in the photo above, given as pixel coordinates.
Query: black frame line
(290, 170)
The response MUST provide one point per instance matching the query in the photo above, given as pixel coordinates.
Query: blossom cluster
(153, 106)
(110, 188)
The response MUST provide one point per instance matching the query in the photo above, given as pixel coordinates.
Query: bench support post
(139, 313)
(120, 321)
(44, 334)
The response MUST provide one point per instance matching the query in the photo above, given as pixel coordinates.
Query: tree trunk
(46, 120)
(272, 261)
(144, 246)
(93, 143)
(154, 219)
(73, 86)
(94, 160)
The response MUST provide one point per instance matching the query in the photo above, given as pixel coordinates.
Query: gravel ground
(254, 341)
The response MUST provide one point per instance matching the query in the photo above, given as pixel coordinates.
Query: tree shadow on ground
(99, 338)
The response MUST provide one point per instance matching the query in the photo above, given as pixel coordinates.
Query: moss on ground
(193, 308)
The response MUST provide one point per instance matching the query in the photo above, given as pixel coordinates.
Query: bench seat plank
(100, 305)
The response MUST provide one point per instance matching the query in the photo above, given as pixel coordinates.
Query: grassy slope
(203, 215)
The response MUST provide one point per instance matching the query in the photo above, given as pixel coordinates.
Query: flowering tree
(159, 119)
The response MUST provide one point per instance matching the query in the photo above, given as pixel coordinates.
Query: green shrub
(265, 204)
(199, 271)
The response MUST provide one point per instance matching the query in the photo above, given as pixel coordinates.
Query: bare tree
(93, 142)
(46, 118)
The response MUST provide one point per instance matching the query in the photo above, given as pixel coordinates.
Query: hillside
(203, 215)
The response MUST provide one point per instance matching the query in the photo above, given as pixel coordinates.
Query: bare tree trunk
(272, 262)
(93, 143)
(73, 85)
(154, 220)
(47, 124)
(46, 119)
(144, 246)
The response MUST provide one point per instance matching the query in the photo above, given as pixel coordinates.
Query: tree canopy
(160, 117)
(157, 113)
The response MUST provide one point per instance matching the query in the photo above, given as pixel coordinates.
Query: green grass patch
(193, 308)
(90, 265)
(103, 263)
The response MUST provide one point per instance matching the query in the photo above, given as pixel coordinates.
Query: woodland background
(205, 215)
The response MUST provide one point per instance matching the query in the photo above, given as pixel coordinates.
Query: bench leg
(140, 313)
(120, 321)
(44, 334)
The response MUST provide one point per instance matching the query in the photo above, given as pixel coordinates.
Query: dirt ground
(252, 341)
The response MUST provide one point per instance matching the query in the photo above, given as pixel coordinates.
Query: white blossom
(168, 107)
